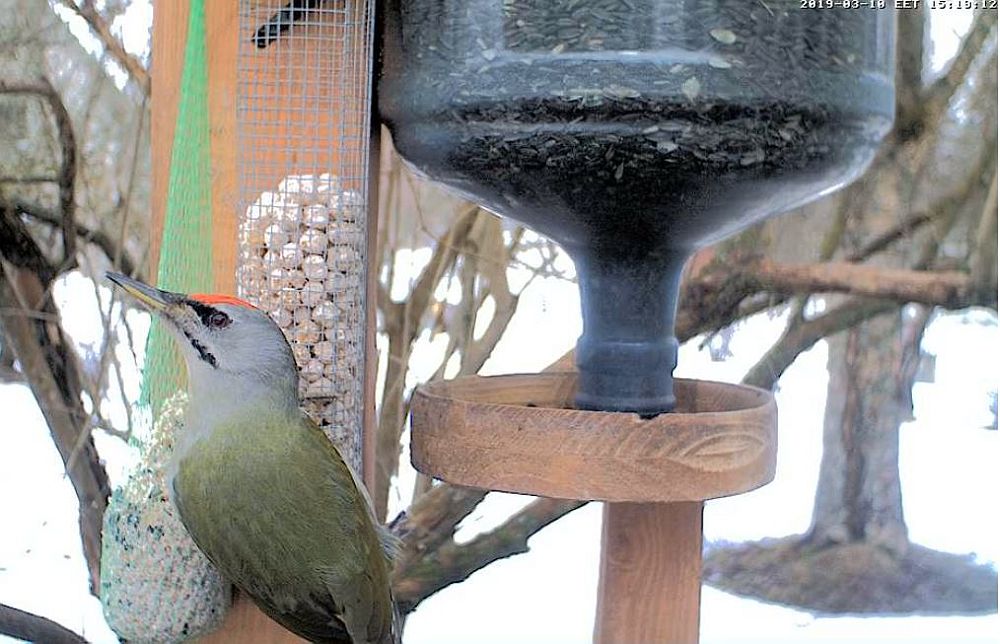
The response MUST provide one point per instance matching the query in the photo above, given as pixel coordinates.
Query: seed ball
(250, 276)
(314, 267)
(257, 216)
(291, 255)
(338, 336)
(276, 279)
(306, 332)
(252, 236)
(313, 241)
(312, 293)
(325, 314)
(342, 257)
(319, 388)
(328, 184)
(301, 353)
(263, 299)
(275, 236)
(345, 235)
(301, 314)
(316, 217)
(324, 351)
(271, 258)
(296, 278)
(338, 282)
(282, 317)
(312, 370)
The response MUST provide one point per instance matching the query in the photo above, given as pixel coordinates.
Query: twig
(806, 333)
(910, 27)
(939, 94)
(118, 260)
(96, 237)
(68, 167)
(31, 179)
(430, 559)
(132, 66)
(23, 625)
(452, 562)
(48, 363)
(948, 289)
(402, 326)
(983, 265)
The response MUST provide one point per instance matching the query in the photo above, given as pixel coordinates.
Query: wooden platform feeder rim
(516, 433)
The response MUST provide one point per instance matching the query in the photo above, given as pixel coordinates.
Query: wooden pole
(650, 579)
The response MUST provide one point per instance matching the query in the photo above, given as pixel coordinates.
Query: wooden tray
(518, 434)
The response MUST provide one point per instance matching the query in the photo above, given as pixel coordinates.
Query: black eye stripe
(203, 311)
(209, 314)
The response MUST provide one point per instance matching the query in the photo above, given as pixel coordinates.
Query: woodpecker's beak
(154, 299)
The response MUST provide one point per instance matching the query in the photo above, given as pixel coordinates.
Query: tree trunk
(859, 498)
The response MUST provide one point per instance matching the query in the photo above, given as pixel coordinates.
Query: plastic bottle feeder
(632, 132)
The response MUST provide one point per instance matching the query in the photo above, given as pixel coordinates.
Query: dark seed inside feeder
(633, 132)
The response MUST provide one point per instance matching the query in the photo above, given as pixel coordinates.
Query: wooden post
(650, 581)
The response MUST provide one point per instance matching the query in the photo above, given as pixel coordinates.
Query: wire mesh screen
(303, 91)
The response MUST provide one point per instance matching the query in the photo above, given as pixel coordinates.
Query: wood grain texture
(650, 581)
(518, 434)
(170, 18)
(246, 624)
(221, 40)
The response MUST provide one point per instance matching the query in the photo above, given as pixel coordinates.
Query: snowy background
(947, 462)
(948, 468)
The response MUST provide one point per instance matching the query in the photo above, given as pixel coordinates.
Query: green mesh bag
(186, 250)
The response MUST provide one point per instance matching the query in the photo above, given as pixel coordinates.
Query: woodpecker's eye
(217, 320)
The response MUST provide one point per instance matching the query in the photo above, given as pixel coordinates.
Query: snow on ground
(548, 595)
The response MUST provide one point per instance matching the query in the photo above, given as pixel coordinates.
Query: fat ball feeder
(260, 161)
(632, 132)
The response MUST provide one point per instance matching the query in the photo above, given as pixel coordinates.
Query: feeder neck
(628, 352)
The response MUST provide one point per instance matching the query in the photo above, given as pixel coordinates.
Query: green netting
(186, 247)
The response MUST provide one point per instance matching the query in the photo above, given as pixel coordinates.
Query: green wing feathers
(276, 508)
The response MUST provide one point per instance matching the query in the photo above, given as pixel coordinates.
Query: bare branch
(983, 265)
(29, 627)
(402, 326)
(431, 560)
(949, 289)
(98, 238)
(49, 364)
(939, 94)
(66, 178)
(452, 563)
(803, 335)
(31, 179)
(112, 45)
(910, 27)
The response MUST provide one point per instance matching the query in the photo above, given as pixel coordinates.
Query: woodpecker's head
(222, 338)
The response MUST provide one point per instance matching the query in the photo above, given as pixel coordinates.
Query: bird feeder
(632, 132)
(279, 96)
